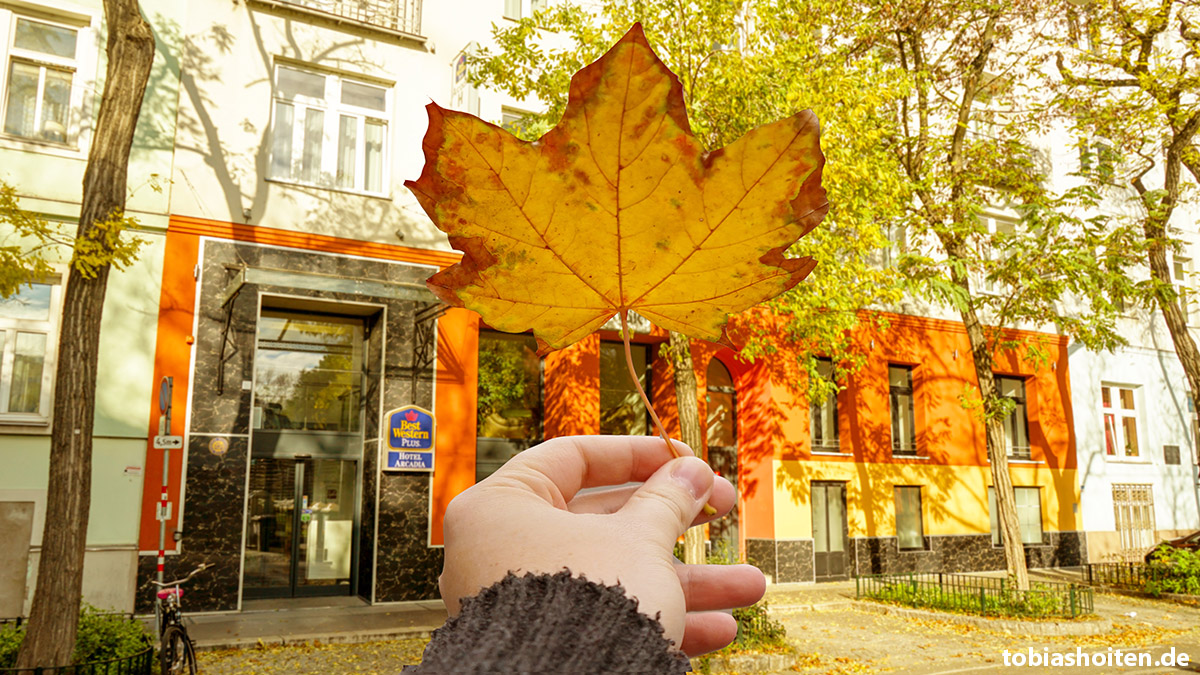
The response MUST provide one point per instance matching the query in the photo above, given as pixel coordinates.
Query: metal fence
(399, 15)
(141, 663)
(973, 594)
(1131, 575)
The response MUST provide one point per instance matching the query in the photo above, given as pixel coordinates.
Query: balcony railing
(403, 16)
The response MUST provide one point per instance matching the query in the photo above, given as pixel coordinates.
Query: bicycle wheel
(177, 657)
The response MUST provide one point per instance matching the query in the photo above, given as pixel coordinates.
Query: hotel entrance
(305, 456)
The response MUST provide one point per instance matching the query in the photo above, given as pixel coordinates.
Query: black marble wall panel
(214, 509)
(407, 569)
(794, 560)
(761, 554)
(366, 542)
(212, 528)
(962, 553)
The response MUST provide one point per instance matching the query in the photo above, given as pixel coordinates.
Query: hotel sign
(411, 433)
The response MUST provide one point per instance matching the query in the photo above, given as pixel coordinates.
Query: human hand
(531, 517)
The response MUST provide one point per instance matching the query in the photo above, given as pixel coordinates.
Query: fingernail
(694, 474)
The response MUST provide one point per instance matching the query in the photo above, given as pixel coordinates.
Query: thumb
(670, 499)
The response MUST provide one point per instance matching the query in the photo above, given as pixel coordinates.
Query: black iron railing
(988, 596)
(1130, 575)
(399, 15)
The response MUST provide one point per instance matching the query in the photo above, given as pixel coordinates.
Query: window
(910, 531)
(1119, 407)
(1016, 425)
(308, 372)
(1171, 454)
(1181, 269)
(721, 398)
(1098, 158)
(998, 228)
(824, 412)
(904, 437)
(41, 95)
(897, 236)
(519, 9)
(622, 412)
(1029, 514)
(28, 338)
(329, 131)
(513, 120)
(509, 410)
(1133, 511)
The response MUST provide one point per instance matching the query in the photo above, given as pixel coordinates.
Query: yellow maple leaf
(619, 208)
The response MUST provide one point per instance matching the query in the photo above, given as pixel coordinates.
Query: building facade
(53, 66)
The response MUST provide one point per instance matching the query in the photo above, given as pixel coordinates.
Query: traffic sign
(164, 394)
(168, 442)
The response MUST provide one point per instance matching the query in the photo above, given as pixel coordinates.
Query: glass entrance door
(829, 530)
(305, 454)
(301, 527)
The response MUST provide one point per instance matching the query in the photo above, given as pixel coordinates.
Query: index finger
(561, 467)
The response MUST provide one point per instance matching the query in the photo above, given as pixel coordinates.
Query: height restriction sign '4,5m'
(411, 432)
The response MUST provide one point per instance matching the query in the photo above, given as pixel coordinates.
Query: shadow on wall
(394, 218)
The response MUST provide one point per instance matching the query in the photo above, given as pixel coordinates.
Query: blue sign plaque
(411, 434)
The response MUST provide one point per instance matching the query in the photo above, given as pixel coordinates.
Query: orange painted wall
(572, 389)
(457, 383)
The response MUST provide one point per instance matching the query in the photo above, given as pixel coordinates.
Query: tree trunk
(1006, 508)
(1155, 230)
(689, 428)
(50, 639)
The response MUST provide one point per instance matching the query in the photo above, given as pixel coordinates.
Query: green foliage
(30, 244)
(101, 637)
(1180, 572)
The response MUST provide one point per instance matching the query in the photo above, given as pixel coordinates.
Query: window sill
(39, 426)
(829, 452)
(329, 188)
(23, 144)
(1127, 460)
(1023, 460)
(912, 456)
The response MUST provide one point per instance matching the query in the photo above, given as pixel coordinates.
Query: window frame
(648, 386)
(991, 221)
(525, 8)
(50, 327)
(919, 515)
(81, 68)
(1010, 421)
(330, 105)
(1119, 414)
(1181, 269)
(894, 391)
(512, 446)
(826, 410)
(994, 516)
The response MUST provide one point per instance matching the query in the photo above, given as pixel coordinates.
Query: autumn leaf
(619, 208)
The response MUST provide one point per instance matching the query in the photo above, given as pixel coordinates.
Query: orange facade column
(172, 358)
(572, 389)
(454, 401)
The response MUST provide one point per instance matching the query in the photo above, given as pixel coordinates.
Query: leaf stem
(645, 399)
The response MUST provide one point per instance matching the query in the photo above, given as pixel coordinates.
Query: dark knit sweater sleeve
(550, 624)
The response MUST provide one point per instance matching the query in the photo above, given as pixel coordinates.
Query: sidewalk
(349, 620)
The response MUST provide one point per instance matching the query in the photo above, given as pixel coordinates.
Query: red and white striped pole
(164, 405)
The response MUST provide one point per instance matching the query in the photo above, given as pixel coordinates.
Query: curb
(356, 637)
(752, 663)
(1015, 626)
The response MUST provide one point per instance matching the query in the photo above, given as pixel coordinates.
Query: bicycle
(176, 653)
